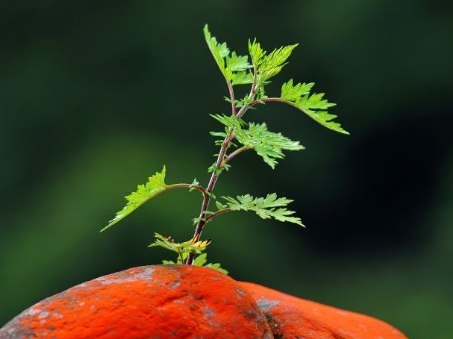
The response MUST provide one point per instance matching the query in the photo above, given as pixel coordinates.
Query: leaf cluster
(154, 186)
(183, 250)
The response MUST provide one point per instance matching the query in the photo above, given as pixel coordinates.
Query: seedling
(237, 137)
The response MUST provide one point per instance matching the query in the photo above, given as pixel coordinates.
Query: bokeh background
(97, 95)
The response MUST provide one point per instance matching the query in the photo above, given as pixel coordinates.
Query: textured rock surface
(291, 317)
(186, 302)
(146, 302)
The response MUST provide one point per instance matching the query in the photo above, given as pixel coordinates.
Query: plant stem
(216, 214)
(231, 92)
(222, 159)
(236, 152)
(211, 185)
(199, 188)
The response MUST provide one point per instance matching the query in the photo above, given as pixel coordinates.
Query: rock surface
(185, 302)
(146, 302)
(291, 317)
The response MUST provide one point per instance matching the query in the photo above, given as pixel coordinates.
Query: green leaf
(256, 52)
(236, 63)
(268, 145)
(154, 186)
(292, 93)
(201, 261)
(165, 242)
(193, 184)
(217, 267)
(235, 68)
(219, 50)
(267, 65)
(241, 78)
(182, 249)
(314, 105)
(228, 120)
(219, 205)
(269, 207)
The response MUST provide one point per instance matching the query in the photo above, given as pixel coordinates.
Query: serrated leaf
(269, 207)
(202, 260)
(164, 242)
(182, 249)
(267, 65)
(241, 78)
(154, 186)
(219, 205)
(268, 145)
(228, 120)
(314, 105)
(292, 93)
(236, 63)
(235, 68)
(218, 50)
(217, 267)
(256, 52)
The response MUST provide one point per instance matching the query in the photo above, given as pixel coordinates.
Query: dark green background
(97, 95)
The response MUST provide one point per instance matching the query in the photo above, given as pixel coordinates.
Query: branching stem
(216, 214)
(211, 185)
(231, 92)
(222, 160)
(199, 188)
(236, 152)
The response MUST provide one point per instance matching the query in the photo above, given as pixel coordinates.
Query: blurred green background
(97, 95)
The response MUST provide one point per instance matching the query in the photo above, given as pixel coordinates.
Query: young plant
(237, 71)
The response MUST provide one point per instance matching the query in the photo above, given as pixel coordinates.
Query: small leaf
(241, 78)
(217, 267)
(237, 63)
(292, 93)
(154, 186)
(268, 145)
(269, 207)
(182, 249)
(193, 184)
(228, 120)
(314, 105)
(218, 50)
(235, 68)
(267, 65)
(219, 205)
(201, 261)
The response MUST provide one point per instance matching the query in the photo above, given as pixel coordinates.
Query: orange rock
(185, 302)
(291, 317)
(146, 302)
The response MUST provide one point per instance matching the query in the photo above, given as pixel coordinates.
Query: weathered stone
(146, 302)
(186, 302)
(291, 317)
